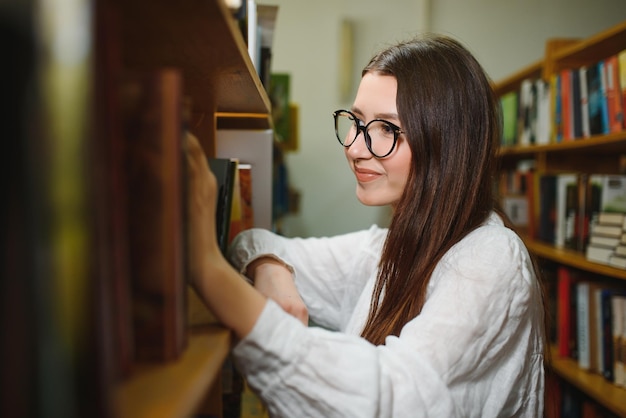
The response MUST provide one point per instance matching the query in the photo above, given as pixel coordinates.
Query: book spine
(154, 132)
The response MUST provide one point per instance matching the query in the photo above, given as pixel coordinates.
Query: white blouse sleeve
(329, 272)
(474, 351)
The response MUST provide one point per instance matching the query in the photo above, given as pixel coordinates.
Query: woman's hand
(275, 281)
(231, 299)
(202, 199)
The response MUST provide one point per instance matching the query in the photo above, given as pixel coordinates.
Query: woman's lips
(364, 175)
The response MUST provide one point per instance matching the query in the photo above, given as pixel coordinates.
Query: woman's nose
(359, 149)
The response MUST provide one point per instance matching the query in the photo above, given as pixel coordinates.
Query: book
(566, 316)
(599, 254)
(576, 109)
(595, 100)
(618, 307)
(613, 193)
(567, 121)
(548, 209)
(604, 241)
(556, 107)
(566, 208)
(153, 130)
(584, 102)
(621, 63)
(527, 112)
(224, 170)
(247, 208)
(508, 104)
(583, 325)
(235, 225)
(588, 209)
(613, 95)
(543, 125)
(612, 218)
(607, 230)
(254, 148)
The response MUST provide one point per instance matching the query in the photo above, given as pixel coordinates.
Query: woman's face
(380, 181)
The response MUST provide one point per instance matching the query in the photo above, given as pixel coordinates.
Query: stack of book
(607, 235)
(607, 242)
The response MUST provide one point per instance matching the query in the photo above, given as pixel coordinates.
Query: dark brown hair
(450, 116)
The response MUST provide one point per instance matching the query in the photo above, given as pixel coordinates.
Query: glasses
(380, 136)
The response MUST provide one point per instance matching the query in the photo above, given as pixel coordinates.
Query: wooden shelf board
(513, 82)
(594, 48)
(175, 389)
(202, 39)
(573, 259)
(596, 386)
(614, 142)
(227, 120)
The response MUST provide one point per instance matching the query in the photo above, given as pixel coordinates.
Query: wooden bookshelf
(602, 154)
(175, 389)
(573, 259)
(202, 40)
(594, 385)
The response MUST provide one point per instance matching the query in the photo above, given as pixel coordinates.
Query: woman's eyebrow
(393, 116)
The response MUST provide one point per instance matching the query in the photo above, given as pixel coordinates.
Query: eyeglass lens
(380, 134)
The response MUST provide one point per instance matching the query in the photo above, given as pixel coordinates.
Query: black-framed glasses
(380, 135)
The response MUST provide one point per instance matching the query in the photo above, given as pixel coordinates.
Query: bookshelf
(602, 154)
(202, 41)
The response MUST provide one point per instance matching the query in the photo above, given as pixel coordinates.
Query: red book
(613, 94)
(566, 321)
(621, 59)
(566, 105)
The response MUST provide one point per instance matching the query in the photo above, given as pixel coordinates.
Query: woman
(441, 315)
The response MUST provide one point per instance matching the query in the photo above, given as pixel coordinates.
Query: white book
(612, 218)
(614, 193)
(566, 214)
(618, 310)
(602, 241)
(544, 119)
(607, 230)
(617, 261)
(598, 254)
(584, 102)
(583, 325)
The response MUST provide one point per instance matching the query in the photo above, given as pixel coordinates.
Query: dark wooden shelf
(201, 38)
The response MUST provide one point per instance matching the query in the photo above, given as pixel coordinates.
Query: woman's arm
(231, 299)
(275, 281)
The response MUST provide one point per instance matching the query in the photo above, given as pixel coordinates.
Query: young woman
(439, 315)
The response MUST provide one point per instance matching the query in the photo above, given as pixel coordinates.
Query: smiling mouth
(364, 175)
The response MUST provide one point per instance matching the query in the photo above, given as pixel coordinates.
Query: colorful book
(621, 62)
(613, 95)
(596, 100)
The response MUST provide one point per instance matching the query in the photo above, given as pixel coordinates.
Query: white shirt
(475, 350)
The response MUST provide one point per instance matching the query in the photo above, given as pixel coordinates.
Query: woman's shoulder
(491, 246)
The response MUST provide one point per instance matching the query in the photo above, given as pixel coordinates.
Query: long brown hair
(450, 116)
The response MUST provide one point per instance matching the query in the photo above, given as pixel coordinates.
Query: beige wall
(505, 35)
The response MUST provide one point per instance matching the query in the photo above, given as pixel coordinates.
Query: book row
(574, 103)
(578, 211)
(590, 323)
